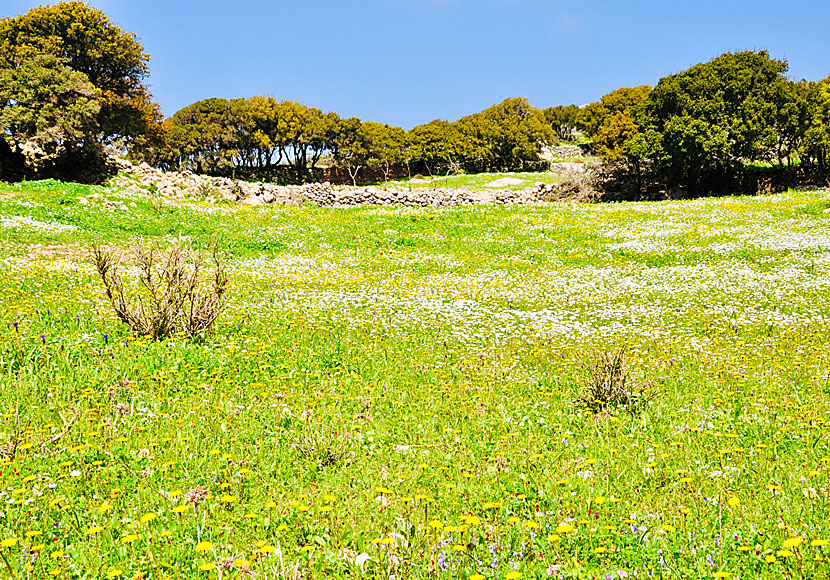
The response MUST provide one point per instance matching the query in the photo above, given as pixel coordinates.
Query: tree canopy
(72, 36)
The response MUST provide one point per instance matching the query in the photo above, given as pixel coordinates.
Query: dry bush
(609, 386)
(178, 291)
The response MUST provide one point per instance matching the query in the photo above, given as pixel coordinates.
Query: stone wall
(145, 179)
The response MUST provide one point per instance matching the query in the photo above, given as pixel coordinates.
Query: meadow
(392, 393)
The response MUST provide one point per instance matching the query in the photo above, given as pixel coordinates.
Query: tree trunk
(353, 175)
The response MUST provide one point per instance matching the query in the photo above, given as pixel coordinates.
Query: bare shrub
(609, 387)
(177, 292)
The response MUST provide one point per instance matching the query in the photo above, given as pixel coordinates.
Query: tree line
(72, 87)
(261, 135)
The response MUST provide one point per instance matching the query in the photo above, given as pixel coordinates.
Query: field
(392, 392)
(480, 181)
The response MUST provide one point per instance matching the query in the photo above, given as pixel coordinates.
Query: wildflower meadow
(399, 392)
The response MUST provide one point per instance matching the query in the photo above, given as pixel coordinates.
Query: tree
(265, 138)
(47, 112)
(85, 40)
(623, 100)
(508, 135)
(713, 116)
(435, 144)
(304, 134)
(204, 137)
(562, 120)
(817, 136)
(385, 145)
(349, 146)
(790, 120)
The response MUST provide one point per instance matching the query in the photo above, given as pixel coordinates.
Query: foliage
(817, 135)
(504, 137)
(564, 120)
(203, 137)
(435, 144)
(626, 101)
(87, 42)
(713, 115)
(175, 295)
(385, 145)
(349, 145)
(46, 109)
(107, 64)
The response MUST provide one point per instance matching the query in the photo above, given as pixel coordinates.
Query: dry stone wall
(145, 179)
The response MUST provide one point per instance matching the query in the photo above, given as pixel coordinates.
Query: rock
(253, 201)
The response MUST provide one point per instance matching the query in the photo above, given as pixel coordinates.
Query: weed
(325, 447)
(608, 386)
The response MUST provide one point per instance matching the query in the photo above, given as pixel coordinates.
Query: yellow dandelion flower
(8, 543)
(203, 547)
(792, 543)
(129, 539)
(207, 567)
(146, 518)
(818, 543)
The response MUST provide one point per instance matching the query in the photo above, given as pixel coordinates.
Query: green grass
(401, 383)
(479, 180)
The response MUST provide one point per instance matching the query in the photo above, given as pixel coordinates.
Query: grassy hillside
(392, 391)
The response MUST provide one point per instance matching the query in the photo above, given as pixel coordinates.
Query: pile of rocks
(145, 179)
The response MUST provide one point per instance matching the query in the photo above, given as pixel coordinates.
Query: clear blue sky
(407, 62)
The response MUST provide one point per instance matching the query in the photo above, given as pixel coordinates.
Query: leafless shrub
(609, 386)
(177, 293)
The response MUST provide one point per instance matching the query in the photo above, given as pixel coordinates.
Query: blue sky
(407, 62)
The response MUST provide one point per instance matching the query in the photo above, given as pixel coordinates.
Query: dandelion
(203, 547)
